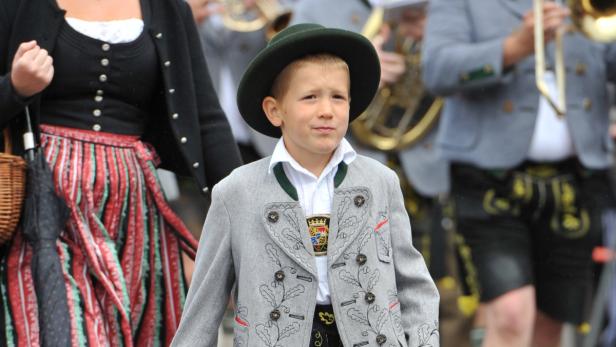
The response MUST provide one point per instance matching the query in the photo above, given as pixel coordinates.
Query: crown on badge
(318, 221)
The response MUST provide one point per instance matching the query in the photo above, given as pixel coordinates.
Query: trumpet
(268, 14)
(594, 18)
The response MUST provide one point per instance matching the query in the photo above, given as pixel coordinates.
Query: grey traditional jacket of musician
(427, 172)
(489, 116)
(256, 244)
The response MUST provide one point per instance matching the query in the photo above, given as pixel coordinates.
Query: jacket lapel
(286, 225)
(351, 209)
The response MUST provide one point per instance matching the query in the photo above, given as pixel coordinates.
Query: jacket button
(381, 339)
(361, 259)
(279, 275)
(370, 297)
(359, 201)
(275, 315)
(272, 217)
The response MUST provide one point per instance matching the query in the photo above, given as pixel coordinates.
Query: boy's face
(313, 112)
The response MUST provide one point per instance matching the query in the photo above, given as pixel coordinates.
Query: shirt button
(96, 113)
(279, 275)
(175, 116)
(183, 140)
(274, 315)
(105, 47)
(196, 164)
(104, 62)
(102, 78)
(98, 98)
(100, 92)
(96, 127)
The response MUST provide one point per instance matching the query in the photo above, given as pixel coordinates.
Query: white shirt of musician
(315, 194)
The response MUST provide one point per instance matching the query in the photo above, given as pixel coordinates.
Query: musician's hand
(392, 64)
(521, 43)
(32, 69)
(202, 9)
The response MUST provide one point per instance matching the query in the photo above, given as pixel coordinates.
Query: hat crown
(293, 30)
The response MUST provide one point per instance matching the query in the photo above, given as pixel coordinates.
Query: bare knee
(513, 314)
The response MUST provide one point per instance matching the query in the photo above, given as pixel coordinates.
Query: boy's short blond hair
(281, 83)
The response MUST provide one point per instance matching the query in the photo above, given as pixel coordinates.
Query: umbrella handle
(28, 137)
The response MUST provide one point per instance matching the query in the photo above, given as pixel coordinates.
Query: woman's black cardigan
(188, 105)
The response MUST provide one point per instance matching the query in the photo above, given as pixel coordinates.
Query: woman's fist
(32, 69)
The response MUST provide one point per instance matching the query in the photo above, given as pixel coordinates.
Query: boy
(351, 276)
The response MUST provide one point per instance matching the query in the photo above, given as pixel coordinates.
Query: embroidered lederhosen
(324, 330)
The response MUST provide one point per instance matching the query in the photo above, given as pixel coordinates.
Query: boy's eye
(309, 97)
(340, 96)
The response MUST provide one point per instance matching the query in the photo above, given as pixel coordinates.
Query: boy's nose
(327, 109)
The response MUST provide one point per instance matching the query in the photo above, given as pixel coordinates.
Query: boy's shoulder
(371, 171)
(245, 175)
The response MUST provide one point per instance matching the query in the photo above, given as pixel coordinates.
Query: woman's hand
(32, 69)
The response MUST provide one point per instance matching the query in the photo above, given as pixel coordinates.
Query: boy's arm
(211, 282)
(419, 298)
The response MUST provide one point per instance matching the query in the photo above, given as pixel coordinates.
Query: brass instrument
(595, 18)
(269, 14)
(402, 113)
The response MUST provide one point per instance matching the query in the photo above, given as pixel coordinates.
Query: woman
(103, 80)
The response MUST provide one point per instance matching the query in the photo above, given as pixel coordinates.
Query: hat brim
(354, 49)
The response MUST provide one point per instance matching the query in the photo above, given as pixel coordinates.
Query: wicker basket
(12, 190)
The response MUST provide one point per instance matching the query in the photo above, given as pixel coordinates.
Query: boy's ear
(272, 110)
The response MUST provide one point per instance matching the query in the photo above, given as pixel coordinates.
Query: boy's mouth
(324, 130)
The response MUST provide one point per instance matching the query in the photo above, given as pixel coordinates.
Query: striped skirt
(120, 250)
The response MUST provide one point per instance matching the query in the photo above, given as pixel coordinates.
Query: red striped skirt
(120, 250)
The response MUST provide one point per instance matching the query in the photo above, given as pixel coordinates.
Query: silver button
(105, 47)
(175, 116)
(97, 113)
(96, 127)
(167, 63)
(196, 164)
(98, 98)
(171, 91)
(206, 189)
(159, 36)
(104, 62)
(183, 140)
(99, 92)
(102, 78)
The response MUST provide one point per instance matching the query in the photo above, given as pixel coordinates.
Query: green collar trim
(286, 185)
(284, 182)
(340, 174)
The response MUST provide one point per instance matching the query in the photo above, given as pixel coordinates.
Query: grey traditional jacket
(256, 245)
(489, 116)
(427, 172)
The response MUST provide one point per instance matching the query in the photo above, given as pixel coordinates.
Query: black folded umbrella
(44, 217)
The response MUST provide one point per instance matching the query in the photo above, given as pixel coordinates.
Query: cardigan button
(100, 92)
(196, 164)
(370, 297)
(104, 62)
(183, 140)
(272, 217)
(159, 36)
(167, 63)
(279, 275)
(98, 98)
(205, 189)
(274, 315)
(175, 116)
(359, 201)
(105, 47)
(361, 259)
(96, 113)
(102, 78)
(381, 339)
(171, 91)
(96, 127)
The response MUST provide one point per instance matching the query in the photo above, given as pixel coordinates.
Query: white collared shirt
(315, 193)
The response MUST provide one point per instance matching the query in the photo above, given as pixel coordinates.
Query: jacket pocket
(382, 236)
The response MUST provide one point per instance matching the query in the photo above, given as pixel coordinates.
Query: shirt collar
(344, 152)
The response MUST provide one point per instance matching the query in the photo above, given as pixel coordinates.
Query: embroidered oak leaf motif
(268, 295)
(349, 278)
(373, 279)
(272, 252)
(292, 218)
(357, 316)
(344, 206)
(294, 238)
(379, 316)
(289, 330)
(426, 332)
(364, 238)
(267, 334)
(294, 292)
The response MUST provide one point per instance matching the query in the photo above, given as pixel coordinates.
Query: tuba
(595, 18)
(268, 14)
(400, 114)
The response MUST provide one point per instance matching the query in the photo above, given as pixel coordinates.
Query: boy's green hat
(294, 43)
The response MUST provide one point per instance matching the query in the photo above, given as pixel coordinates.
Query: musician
(530, 188)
